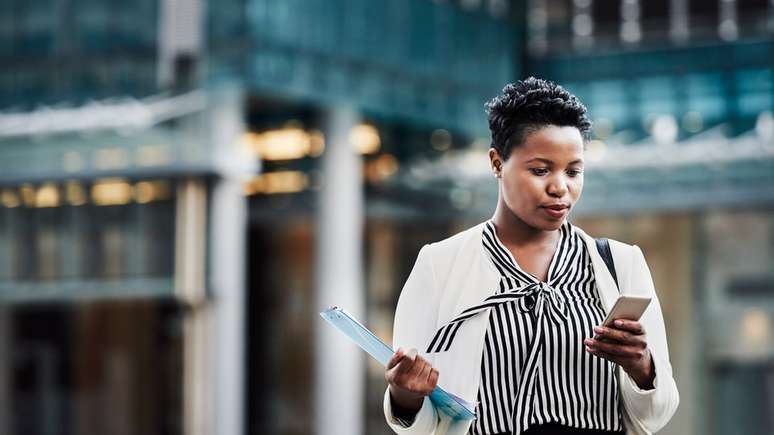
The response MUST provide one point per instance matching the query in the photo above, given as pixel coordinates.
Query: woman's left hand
(624, 343)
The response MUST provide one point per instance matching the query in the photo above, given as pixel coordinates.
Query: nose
(557, 187)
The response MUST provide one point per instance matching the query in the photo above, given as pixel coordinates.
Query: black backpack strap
(603, 246)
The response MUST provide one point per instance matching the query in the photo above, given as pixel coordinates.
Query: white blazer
(454, 274)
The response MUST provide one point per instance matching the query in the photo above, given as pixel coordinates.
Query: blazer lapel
(460, 366)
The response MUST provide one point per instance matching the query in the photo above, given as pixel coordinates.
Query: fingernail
(619, 323)
(598, 329)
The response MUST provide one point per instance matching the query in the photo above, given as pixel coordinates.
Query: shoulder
(459, 241)
(627, 257)
(615, 245)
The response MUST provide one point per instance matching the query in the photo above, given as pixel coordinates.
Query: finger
(416, 369)
(614, 349)
(422, 378)
(603, 355)
(396, 358)
(632, 326)
(433, 379)
(612, 334)
(406, 365)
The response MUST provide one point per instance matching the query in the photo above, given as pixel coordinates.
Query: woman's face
(543, 177)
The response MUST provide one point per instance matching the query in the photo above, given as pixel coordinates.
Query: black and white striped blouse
(534, 369)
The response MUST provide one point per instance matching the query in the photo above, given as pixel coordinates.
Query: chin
(551, 225)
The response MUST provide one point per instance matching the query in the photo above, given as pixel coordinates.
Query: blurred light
(441, 140)
(284, 144)
(72, 161)
(47, 196)
(693, 122)
(111, 191)
(631, 32)
(596, 150)
(630, 14)
(728, 30)
(382, 168)
(365, 139)
(630, 10)
(756, 326)
(111, 158)
(153, 155)
(9, 199)
(538, 18)
(460, 198)
(27, 192)
(582, 25)
(147, 191)
(316, 143)
(764, 126)
(603, 127)
(123, 115)
(75, 193)
(664, 129)
(277, 182)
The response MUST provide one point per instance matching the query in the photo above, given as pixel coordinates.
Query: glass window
(72, 363)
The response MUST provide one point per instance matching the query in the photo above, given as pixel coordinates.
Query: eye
(539, 171)
(574, 172)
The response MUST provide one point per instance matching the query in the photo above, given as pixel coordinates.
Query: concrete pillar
(190, 267)
(227, 240)
(339, 365)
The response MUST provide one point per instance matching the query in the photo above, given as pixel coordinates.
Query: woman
(506, 314)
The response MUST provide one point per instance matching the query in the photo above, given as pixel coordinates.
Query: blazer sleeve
(650, 409)
(415, 321)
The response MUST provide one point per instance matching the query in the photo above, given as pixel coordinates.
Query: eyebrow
(551, 162)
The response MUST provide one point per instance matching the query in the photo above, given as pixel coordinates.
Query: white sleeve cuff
(640, 391)
(654, 407)
(425, 421)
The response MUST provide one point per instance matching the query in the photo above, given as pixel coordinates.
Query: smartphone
(627, 307)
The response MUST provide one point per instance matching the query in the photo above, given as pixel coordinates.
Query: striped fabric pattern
(534, 369)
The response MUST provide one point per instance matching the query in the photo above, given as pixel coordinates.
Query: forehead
(559, 144)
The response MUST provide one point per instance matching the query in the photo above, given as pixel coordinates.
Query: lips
(556, 211)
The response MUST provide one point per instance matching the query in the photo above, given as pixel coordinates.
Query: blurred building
(185, 184)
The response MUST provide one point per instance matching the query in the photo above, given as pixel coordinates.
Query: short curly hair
(529, 105)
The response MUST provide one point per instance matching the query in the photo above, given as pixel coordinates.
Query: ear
(495, 162)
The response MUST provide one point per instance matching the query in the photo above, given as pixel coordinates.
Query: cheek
(576, 186)
(524, 188)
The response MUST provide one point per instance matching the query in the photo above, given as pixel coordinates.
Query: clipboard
(455, 407)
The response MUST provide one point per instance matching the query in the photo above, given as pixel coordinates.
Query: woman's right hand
(411, 378)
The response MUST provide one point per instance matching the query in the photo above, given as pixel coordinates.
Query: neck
(513, 231)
